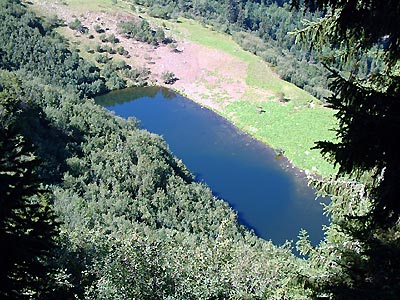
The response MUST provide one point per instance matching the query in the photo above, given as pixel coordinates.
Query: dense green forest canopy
(133, 223)
(103, 210)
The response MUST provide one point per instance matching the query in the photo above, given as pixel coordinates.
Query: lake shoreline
(215, 72)
(285, 163)
(262, 187)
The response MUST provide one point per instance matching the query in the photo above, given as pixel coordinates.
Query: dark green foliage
(138, 77)
(367, 106)
(361, 254)
(357, 260)
(47, 58)
(52, 22)
(27, 223)
(115, 82)
(110, 38)
(75, 24)
(142, 31)
(134, 222)
(357, 20)
(98, 28)
(120, 64)
(231, 8)
(106, 48)
(368, 120)
(122, 51)
(168, 77)
(162, 12)
(103, 38)
(102, 58)
(135, 272)
(98, 48)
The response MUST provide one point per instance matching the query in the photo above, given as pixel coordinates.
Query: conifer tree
(27, 223)
(360, 256)
(367, 108)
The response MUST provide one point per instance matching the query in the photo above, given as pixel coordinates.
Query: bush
(142, 31)
(102, 58)
(75, 24)
(115, 82)
(112, 39)
(161, 12)
(98, 28)
(108, 49)
(168, 77)
(120, 65)
(103, 38)
(121, 51)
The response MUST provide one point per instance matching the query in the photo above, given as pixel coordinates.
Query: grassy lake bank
(214, 71)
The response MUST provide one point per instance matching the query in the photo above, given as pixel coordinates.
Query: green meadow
(292, 126)
(293, 119)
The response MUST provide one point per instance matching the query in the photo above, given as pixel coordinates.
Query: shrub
(103, 38)
(102, 58)
(168, 77)
(98, 28)
(121, 51)
(75, 24)
(112, 39)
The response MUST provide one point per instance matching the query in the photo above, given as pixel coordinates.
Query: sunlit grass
(206, 36)
(259, 75)
(95, 5)
(290, 127)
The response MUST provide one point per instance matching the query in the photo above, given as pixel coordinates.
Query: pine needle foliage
(359, 258)
(27, 223)
(367, 107)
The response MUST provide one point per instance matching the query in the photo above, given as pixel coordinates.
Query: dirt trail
(208, 76)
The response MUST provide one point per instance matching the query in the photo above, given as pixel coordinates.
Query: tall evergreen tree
(232, 10)
(362, 249)
(368, 108)
(27, 224)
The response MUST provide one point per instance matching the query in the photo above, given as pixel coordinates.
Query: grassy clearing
(197, 33)
(94, 5)
(259, 75)
(290, 127)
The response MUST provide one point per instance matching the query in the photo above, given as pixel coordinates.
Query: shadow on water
(270, 196)
(130, 94)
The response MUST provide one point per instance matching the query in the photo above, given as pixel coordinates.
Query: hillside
(213, 71)
(131, 222)
(93, 207)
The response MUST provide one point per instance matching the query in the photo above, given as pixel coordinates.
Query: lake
(269, 196)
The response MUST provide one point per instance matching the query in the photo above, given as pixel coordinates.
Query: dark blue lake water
(268, 196)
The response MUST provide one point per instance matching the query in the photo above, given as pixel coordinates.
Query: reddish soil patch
(208, 76)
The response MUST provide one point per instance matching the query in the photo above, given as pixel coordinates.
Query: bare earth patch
(210, 77)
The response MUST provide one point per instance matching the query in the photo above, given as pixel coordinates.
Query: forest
(93, 207)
